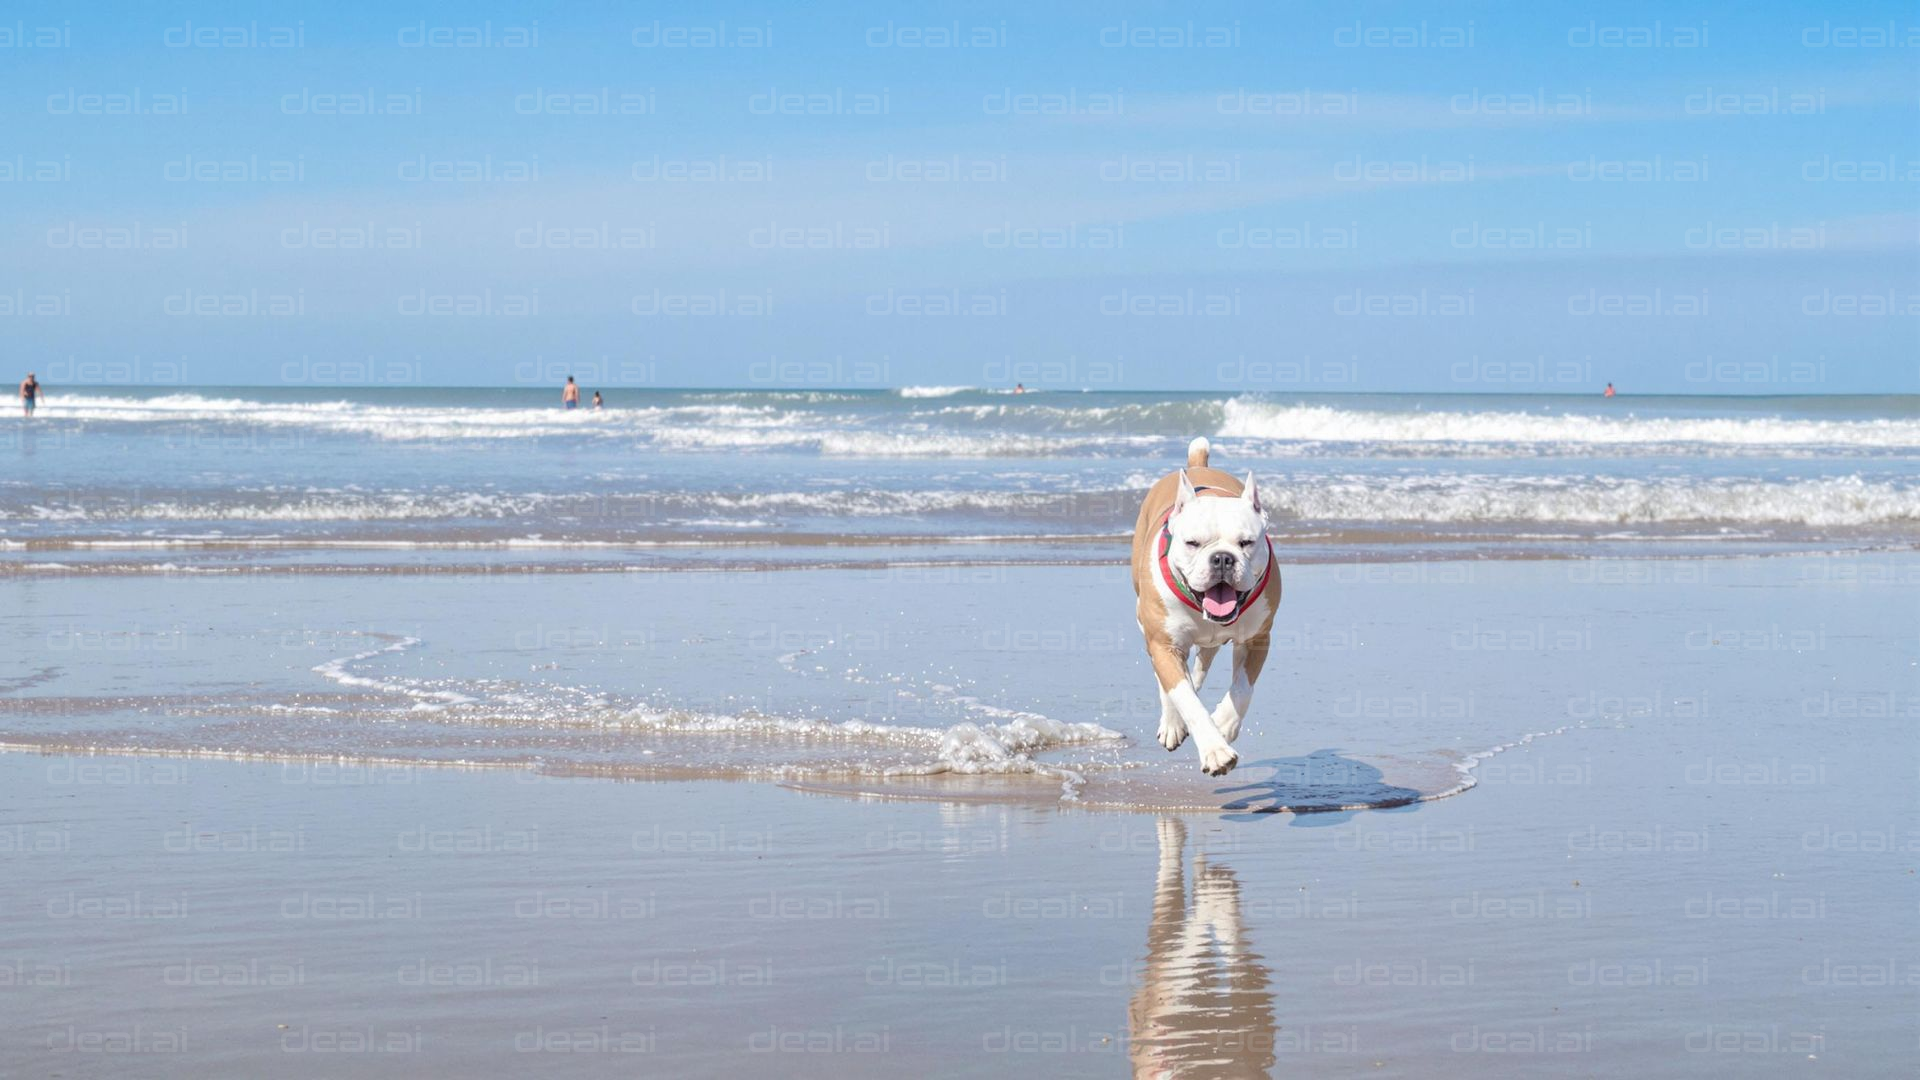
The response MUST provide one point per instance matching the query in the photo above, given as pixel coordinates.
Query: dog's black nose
(1223, 563)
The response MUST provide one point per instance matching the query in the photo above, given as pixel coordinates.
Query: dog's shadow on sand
(1314, 790)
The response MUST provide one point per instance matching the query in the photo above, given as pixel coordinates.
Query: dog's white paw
(1173, 732)
(1218, 761)
(1228, 722)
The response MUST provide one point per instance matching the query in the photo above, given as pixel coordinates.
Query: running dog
(1204, 573)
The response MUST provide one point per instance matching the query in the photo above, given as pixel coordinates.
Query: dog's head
(1219, 546)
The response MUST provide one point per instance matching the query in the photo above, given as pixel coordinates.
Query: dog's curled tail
(1197, 451)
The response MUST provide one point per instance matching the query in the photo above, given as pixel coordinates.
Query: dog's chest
(1208, 635)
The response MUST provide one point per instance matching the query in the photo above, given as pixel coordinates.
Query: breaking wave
(1255, 419)
(1830, 501)
(931, 391)
(1347, 497)
(926, 422)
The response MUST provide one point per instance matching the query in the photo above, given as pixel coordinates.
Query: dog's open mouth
(1220, 601)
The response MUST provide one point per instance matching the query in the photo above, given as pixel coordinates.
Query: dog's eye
(1193, 543)
(1246, 543)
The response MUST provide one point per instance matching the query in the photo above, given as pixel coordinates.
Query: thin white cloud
(1893, 231)
(1485, 105)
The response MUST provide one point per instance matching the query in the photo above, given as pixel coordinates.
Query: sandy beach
(1701, 863)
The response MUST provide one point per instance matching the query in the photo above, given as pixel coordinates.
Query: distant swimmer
(29, 394)
(597, 403)
(1019, 388)
(570, 396)
(1609, 390)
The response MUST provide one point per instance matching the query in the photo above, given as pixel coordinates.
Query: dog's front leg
(1173, 730)
(1170, 667)
(1248, 658)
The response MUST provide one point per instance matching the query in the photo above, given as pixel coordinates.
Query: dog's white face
(1219, 547)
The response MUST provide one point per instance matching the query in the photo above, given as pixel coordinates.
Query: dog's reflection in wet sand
(1203, 1006)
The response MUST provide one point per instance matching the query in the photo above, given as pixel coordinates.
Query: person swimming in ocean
(570, 396)
(1609, 392)
(29, 395)
(597, 403)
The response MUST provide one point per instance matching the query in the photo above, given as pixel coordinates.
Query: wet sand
(1710, 871)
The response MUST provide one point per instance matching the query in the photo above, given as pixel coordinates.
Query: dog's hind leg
(1202, 663)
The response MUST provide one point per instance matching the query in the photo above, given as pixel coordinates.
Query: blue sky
(1693, 198)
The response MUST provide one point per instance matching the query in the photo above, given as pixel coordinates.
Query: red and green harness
(1187, 595)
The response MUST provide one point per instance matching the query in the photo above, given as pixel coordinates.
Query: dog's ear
(1252, 495)
(1186, 493)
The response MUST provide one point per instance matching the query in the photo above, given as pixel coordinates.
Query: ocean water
(346, 693)
(923, 590)
(117, 480)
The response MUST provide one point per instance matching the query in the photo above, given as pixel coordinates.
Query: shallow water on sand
(1593, 912)
(1387, 683)
(1690, 856)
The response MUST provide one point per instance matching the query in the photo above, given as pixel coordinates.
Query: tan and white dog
(1204, 572)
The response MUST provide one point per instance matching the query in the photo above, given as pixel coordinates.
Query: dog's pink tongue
(1220, 600)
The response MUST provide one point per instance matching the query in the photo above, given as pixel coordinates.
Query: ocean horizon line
(960, 388)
